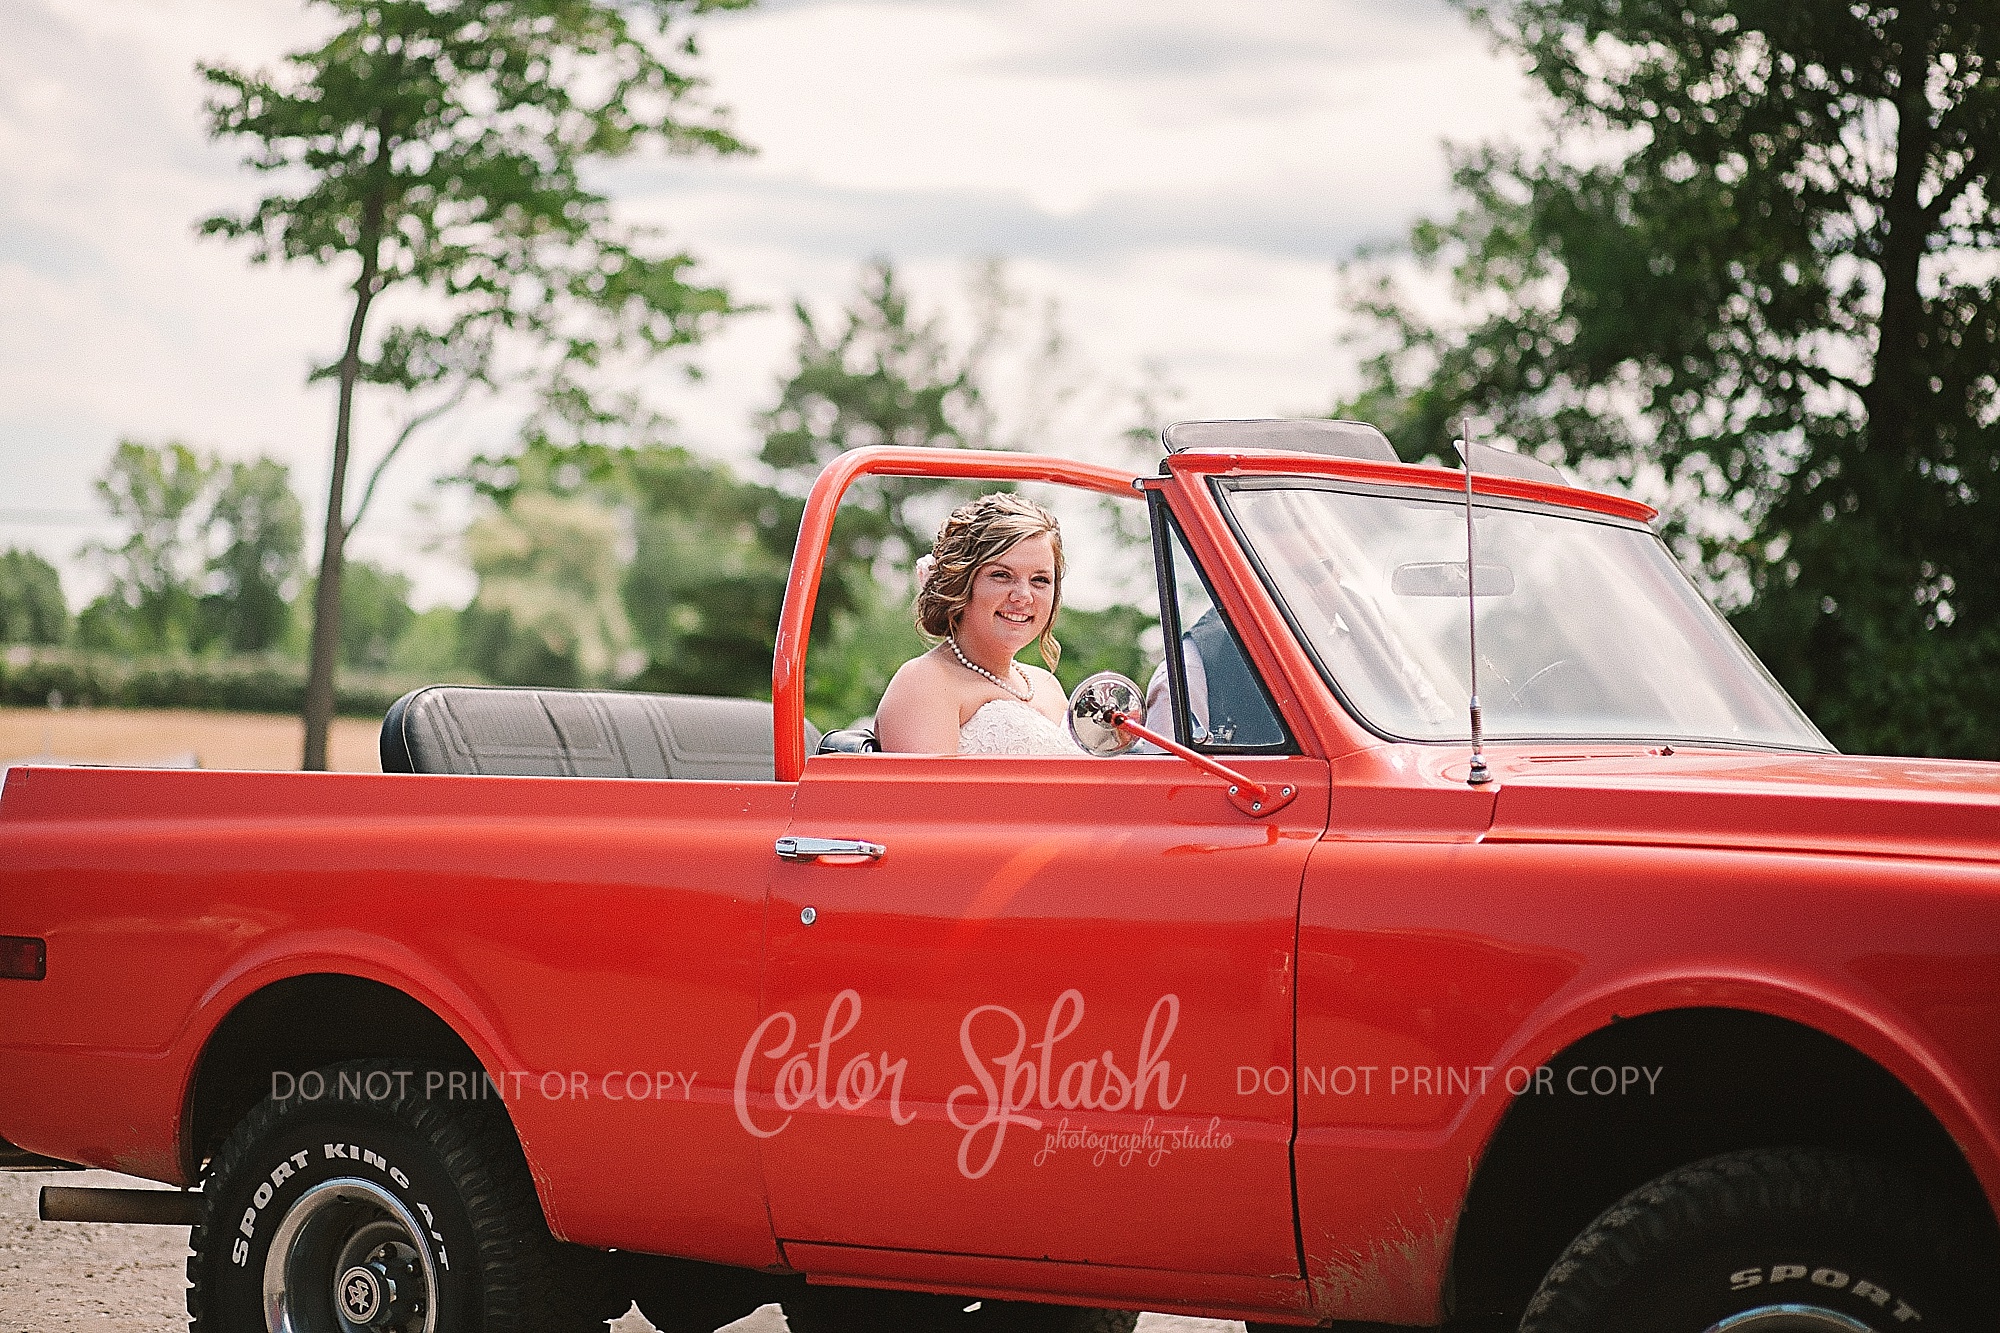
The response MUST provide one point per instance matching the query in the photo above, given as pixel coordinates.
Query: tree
(375, 615)
(1112, 639)
(707, 579)
(32, 609)
(887, 377)
(1758, 257)
(259, 527)
(703, 555)
(438, 147)
(548, 611)
(702, 575)
(160, 496)
(431, 645)
(210, 558)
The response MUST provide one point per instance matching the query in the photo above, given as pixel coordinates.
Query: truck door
(1031, 1007)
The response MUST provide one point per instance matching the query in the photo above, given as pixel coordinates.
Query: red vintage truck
(1678, 1020)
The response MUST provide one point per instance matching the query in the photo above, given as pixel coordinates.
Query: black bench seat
(579, 733)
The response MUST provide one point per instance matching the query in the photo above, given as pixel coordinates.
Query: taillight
(23, 958)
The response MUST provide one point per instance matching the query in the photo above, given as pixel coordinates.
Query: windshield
(1586, 628)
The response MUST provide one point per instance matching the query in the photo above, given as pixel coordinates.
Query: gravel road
(56, 1277)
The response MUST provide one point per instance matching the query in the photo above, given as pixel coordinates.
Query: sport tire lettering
(1842, 1240)
(449, 1177)
(1830, 1277)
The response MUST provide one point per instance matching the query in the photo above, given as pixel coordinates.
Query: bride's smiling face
(1011, 597)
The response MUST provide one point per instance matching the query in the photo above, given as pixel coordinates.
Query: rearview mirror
(1446, 578)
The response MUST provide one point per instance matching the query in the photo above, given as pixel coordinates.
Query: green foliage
(159, 494)
(1112, 639)
(257, 523)
(707, 578)
(259, 683)
(548, 611)
(710, 553)
(440, 146)
(851, 658)
(703, 555)
(1758, 258)
(429, 648)
(709, 557)
(105, 625)
(375, 615)
(887, 377)
(210, 556)
(32, 609)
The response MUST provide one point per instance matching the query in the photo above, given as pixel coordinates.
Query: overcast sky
(1181, 177)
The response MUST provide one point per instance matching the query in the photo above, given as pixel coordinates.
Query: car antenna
(1478, 775)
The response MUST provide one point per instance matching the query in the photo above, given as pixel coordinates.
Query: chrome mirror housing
(1094, 705)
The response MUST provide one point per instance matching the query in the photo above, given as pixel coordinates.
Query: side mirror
(1097, 709)
(1105, 718)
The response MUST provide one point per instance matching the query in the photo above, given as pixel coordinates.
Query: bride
(989, 588)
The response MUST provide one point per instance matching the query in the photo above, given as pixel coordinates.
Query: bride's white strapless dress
(1008, 726)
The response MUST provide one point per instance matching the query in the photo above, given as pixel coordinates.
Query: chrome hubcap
(360, 1295)
(349, 1258)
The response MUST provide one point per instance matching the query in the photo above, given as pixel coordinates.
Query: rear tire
(374, 1208)
(1777, 1240)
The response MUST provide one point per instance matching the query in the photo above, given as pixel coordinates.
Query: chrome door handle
(838, 850)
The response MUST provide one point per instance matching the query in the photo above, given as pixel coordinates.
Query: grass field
(179, 738)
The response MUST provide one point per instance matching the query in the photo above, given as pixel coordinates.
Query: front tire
(1784, 1240)
(376, 1205)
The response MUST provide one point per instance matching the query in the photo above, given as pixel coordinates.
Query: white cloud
(1067, 103)
(1181, 175)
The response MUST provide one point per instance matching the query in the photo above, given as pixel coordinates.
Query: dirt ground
(59, 1277)
(178, 738)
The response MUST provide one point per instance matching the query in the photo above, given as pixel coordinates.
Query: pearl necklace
(971, 665)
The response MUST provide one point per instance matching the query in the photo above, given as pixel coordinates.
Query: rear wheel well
(301, 1023)
(1728, 1080)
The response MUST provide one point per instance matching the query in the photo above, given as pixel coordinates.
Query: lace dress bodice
(1008, 726)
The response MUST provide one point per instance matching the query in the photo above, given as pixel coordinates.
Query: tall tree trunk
(1900, 381)
(326, 596)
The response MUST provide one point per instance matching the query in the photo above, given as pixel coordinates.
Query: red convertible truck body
(1085, 1032)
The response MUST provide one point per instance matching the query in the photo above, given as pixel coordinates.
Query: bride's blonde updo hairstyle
(976, 533)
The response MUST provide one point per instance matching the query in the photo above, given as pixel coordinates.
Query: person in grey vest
(1228, 706)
